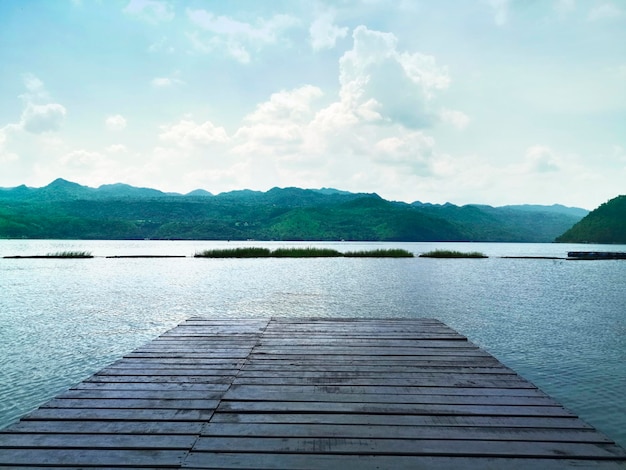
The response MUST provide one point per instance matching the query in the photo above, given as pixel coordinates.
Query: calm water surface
(560, 324)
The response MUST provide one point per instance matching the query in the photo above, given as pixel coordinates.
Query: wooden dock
(306, 393)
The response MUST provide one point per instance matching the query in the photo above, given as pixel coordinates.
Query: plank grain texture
(306, 393)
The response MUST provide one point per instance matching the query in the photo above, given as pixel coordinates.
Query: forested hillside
(67, 210)
(606, 224)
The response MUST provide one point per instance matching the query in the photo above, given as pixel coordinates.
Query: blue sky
(468, 101)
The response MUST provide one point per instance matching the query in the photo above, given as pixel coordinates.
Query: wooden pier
(306, 393)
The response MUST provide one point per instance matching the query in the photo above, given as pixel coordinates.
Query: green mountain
(70, 211)
(606, 224)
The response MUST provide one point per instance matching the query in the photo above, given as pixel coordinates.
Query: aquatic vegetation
(308, 252)
(245, 252)
(58, 254)
(69, 254)
(390, 253)
(453, 254)
(297, 252)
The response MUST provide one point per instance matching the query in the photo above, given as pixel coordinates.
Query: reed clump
(453, 254)
(245, 252)
(390, 253)
(309, 252)
(70, 254)
(297, 252)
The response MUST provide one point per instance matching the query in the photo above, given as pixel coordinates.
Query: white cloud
(81, 158)
(324, 32)
(37, 119)
(398, 85)
(500, 11)
(5, 155)
(117, 148)
(153, 11)
(605, 11)
(414, 150)
(188, 134)
(117, 122)
(35, 89)
(541, 159)
(564, 6)
(162, 45)
(293, 106)
(236, 37)
(166, 82)
(458, 119)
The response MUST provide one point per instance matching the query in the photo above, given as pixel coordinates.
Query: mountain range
(68, 210)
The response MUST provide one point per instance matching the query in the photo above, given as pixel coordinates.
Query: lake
(560, 324)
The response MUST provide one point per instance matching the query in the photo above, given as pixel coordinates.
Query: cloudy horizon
(488, 101)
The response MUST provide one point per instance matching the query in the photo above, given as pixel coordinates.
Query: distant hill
(118, 211)
(606, 224)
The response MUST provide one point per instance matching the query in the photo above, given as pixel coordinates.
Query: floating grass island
(58, 254)
(308, 252)
(453, 254)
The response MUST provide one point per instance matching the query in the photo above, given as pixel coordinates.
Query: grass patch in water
(70, 254)
(453, 254)
(308, 252)
(390, 253)
(250, 252)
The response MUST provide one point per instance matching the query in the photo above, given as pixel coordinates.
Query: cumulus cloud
(397, 84)
(37, 119)
(458, 119)
(166, 82)
(237, 38)
(541, 159)
(564, 6)
(188, 134)
(81, 158)
(604, 11)
(324, 32)
(35, 89)
(117, 122)
(153, 11)
(500, 11)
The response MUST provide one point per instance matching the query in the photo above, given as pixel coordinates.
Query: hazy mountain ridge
(64, 209)
(606, 224)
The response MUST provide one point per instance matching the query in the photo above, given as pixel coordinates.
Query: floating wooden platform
(306, 393)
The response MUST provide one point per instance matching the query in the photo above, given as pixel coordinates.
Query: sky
(463, 101)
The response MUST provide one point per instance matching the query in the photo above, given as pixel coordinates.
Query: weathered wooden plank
(382, 389)
(442, 447)
(341, 350)
(210, 379)
(414, 376)
(108, 427)
(142, 394)
(482, 382)
(90, 458)
(119, 414)
(232, 460)
(475, 356)
(161, 386)
(390, 408)
(241, 394)
(95, 441)
(403, 432)
(173, 371)
(132, 403)
(371, 368)
(365, 419)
